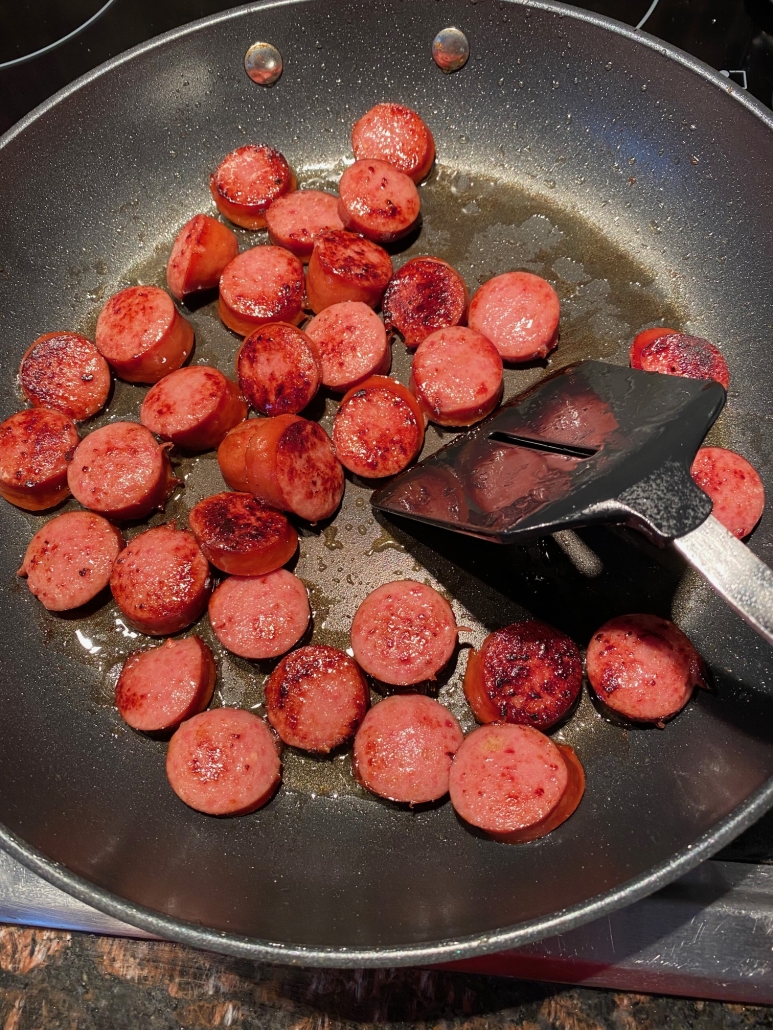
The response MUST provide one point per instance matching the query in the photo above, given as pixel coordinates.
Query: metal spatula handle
(733, 571)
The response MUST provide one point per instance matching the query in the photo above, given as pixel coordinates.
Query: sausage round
(36, 447)
(377, 200)
(316, 698)
(294, 221)
(379, 428)
(70, 559)
(395, 133)
(677, 354)
(734, 487)
(232, 454)
(352, 344)
(514, 783)
(457, 376)
(291, 465)
(161, 581)
(201, 251)
(121, 472)
(223, 762)
(426, 294)
(403, 633)
(65, 371)
(405, 747)
(142, 334)
(239, 535)
(193, 407)
(264, 284)
(519, 313)
(279, 369)
(248, 181)
(159, 688)
(345, 266)
(527, 673)
(260, 616)
(643, 667)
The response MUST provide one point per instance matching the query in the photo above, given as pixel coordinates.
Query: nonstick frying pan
(639, 182)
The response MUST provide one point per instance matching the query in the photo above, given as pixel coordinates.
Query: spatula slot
(568, 450)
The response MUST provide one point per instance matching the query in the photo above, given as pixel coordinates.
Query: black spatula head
(590, 443)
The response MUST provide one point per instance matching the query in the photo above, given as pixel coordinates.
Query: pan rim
(447, 950)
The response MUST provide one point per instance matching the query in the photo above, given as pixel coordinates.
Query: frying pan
(639, 182)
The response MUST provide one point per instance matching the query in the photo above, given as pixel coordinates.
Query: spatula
(591, 443)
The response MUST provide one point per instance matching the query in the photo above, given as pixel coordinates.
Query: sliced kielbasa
(395, 133)
(65, 371)
(201, 251)
(248, 181)
(426, 294)
(519, 313)
(734, 487)
(232, 454)
(403, 633)
(405, 747)
(352, 344)
(316, 698)
(36, 447)
(514, 783)
(142, 334)
(223, 762)
(161, 581)
(528, 673)
(264, 284)
(377, 200)
(260, 616)
(457, 376)
(294, 221)
(379, 428)
(345, 266)
(121, 472)
(677, 354)
(159, 688)
(240, 535)
(70, 559)
(193, 407)
(279, 369)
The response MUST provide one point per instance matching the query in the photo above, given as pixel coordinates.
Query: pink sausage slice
(260, 616)
(193, 407)
(403, 633)
(201, 251)
(425, 295)
(457, 376)
(519, 313)
(69, 561)
(65, 371)
(264, 284)
(121, 472)
(379, 428)
(377, 200)
(404, 749)
(352, 344)
(344, 266)
(279, 369)
(643, 667)
(395, 133)
(295, 220)
(248, 181)
(223, 762)
(232, 454)
(161, 581)
(36, 447)
(316, 698)
(677, 354)
(734, 487)
(241, 536)
(514, 783)
(159, 688)
(142, 334)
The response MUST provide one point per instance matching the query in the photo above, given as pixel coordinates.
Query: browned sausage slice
(678, 354)
(279, 369)
(264, 284)
(65, 371)
(344, 266)
(519, 313)
(248, 181)
(240, 535)
(193, 407)
(232, 454)
(36, 447)
(69, 560)
(316, 698)
(260, 616)
(457, 376)
(379, 428)
(159, 688)
(352, 344)
(201, 251)
(734, 487)
(395, 133)
(377, 200)
(295, 221)
(161, 581)
(223, 762)
(404, 749)
(425, 295)
(142, 334)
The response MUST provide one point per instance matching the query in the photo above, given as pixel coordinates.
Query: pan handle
(737, 575)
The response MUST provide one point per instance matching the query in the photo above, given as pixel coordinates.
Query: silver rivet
(263, 63)
(450, 49)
